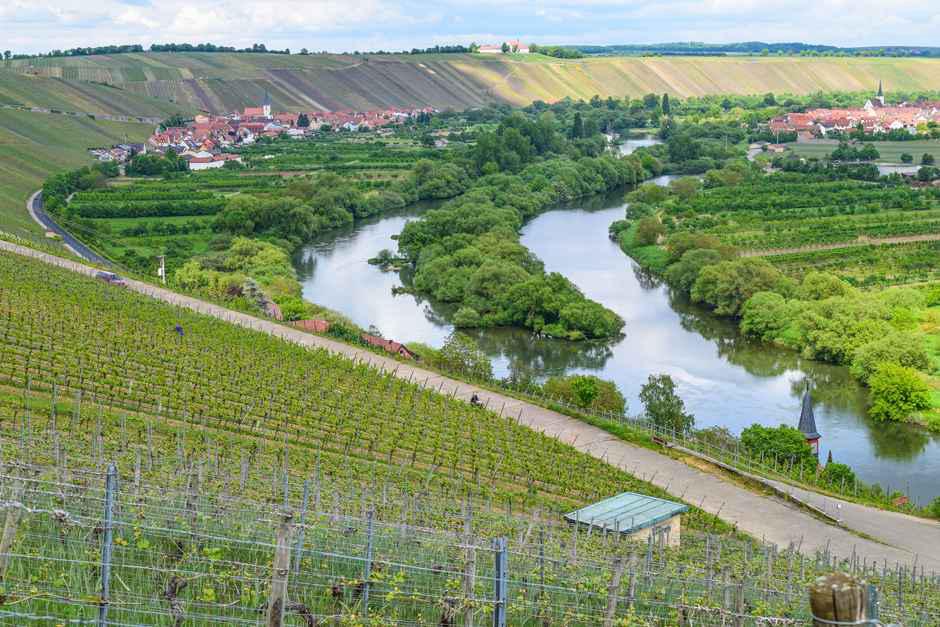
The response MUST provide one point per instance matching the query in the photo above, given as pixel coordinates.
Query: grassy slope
(26, 90)
(33, 145)
(890, 151)
(226, 81)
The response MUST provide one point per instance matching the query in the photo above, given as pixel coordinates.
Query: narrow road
(35, 207)
(901, 539)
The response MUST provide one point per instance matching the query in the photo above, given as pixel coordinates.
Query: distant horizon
(692, 45)
(400, 25)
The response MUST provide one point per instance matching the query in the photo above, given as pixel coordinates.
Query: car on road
(110, 277)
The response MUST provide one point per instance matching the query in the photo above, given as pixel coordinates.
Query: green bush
(783, 442)
(838, 475)
(588, 392)
(648, 231)
(897, 392)
(902, 349)
(467, 317)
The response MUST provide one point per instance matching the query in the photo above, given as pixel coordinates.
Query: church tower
(266, 105)
(881, 94)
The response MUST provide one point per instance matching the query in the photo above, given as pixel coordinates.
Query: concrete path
(902, 538)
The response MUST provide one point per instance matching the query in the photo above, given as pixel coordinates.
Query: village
(874, 118)
(203, 141)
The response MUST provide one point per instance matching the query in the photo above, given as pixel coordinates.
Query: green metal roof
(627, 512)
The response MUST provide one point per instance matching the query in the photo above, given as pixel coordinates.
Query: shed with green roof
(637, 516)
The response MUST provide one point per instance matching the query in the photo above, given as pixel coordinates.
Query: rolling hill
(225, 81)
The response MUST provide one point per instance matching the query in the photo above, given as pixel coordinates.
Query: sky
(28, 26)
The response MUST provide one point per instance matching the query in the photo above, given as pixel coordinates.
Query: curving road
(35, 207)
(896, 538)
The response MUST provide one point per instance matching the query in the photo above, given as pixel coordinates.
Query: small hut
(808, 424)
(636, 516)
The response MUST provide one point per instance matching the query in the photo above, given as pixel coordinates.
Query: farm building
(390, 346)
(636, 516)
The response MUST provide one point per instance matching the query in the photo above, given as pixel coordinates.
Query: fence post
(613, 590)
(277, 597)
(501, 576)
(9, 527)
(106, 544)
(300, 531)
(840, 598)
(367, 568)
(470, 570)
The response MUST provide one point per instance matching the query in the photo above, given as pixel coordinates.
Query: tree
(663, 406)
(577, 126)
(7, 54)
(460, 355)
(907, 158)
(770, 100)
(686, 187)
(665, 104)
(505, 48)
(682, 147)
(897, 392)
(588, 392)
(682, 274)
(303, 121)
(900, 348)
(868, 153)
(727, 285)
(785, 443)
(766, 315)
(648, 231)
(927, 159)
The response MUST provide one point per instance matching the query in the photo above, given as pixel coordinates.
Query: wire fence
(175, 557)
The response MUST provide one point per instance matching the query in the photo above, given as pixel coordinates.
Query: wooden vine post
(277, 598)
(838, 598)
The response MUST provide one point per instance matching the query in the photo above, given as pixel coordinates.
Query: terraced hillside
(33, 145)
(27, 90)
(226, 81)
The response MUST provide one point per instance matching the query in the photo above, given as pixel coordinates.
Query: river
(724, 379)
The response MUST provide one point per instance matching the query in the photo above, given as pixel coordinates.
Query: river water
(724, 379)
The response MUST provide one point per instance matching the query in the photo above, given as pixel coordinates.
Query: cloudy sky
(28, 26)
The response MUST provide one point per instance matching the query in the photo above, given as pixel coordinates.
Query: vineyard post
(367, 567)
(470, 570)
(277, 597)
(9, 527)
(106, 545)
(300, 531)
(501, 576)
(613, 590)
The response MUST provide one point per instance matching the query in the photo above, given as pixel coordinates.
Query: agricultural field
(222, 82)
(35, 145)
(890, 151)
(132, 221)
(793, 211)
(399, 490)
(26, 90)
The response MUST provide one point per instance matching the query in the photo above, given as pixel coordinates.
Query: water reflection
(724, 378)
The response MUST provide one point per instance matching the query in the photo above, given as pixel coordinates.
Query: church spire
(881, 93)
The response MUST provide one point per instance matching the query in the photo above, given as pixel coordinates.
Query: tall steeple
(808, 423)
(881, 93)
(266, 105)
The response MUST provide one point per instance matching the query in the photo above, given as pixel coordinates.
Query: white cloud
(396, 24)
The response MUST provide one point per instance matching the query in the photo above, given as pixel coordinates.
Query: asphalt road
(35, 207)
(896, 538)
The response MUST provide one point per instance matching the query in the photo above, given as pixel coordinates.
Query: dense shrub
(587, 392)
(783, 442)
(897, 392)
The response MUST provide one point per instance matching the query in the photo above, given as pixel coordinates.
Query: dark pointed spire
(808, 419)
(881, 92)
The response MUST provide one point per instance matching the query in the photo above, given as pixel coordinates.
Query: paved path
(35, 207)
(904, 539)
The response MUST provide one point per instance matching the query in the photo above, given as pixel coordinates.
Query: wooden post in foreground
(277, 598)
(838, 598)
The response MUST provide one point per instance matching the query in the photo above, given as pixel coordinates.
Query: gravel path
(901, 538)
